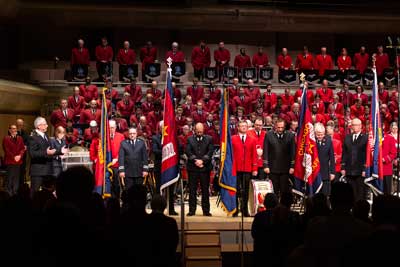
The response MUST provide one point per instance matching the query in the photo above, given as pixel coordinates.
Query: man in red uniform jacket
(299, 92)
(135, 91)
(14, 149)
(180, 119)
(115, 142)
(222, 57)
(155, 116)
(201, 58)
(195, 91)
(270, 99)
(148, 55)
(76, 102)
(260, 59)
(126, 106)
(246, 163)
(338, 107)
(126, 56)
(111, 93)
(382, 61)
(60, 116)
(91, 133)
(215, 92)
(323, 62)
(357, 110)
(258, 134)
(284, 61)
(326, 94)
(80, 57)
(90, 114)
(175, 54)
(287, 98)
(304, 61)
(241, 100)
(361, 60)
(344, 61)
(383, 93)
(345, 97)
(188, 106)
(104, 57)
(156, 93)
(293, 115)
(209, 105)
(88, 91)
(199, 115)
(360, 95)
(242, 60)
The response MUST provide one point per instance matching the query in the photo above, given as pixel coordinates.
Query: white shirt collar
(41, 134)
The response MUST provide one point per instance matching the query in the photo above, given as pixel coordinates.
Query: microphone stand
(396, 47)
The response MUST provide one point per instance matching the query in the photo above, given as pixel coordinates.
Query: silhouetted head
(136, 197)
(270, 201)
(158, 204)
(342, 196)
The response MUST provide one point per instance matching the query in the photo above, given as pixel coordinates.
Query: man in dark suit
(279, 152)
(353, 159)
(326, 158)
(39, 148)
(133, 160)
(199, 150)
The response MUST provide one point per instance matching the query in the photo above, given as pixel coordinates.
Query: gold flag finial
(302, 77)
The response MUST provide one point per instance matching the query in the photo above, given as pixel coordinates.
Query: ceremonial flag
(103, 172)
(374, 165)
(306, 172)
(227, 175)
(169, 164)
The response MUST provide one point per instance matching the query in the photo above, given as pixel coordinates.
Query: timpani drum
(257, 191)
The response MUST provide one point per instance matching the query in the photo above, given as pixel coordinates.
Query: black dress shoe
(235, 214)
(173, 213)
(207, 214)
(190, 213)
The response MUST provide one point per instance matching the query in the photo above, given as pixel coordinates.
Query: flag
(374, 165)
(227, 175)
(103, 171)
(169, 162)
(306, 172)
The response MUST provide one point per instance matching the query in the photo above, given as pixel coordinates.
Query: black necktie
(65, 113)
(258, 134)
(243, 139)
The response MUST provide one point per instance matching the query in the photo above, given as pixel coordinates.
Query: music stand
(152, 70)
(266, 74)
(210, 73)
(287, 77)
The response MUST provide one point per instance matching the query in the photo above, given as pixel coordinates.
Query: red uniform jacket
(126, 57)
(88, 115)
(195, 92)
(147, 56)
(381, 63)
(13, 147)
(364, 98)
(287, 100)
(182, 139)
(201, 58)
(89, 92)
(153, 119)
(215, 94)
(344, 63)
(338, 108)
(115, 144)
(331, 116)
(136, 93)
(89, 136)
(337, 151)
(284, 62)
(254, 93)
(199, 117)
(304, 62)
(108, 103)
(76, 106)
(125, 108)
(245, 103)
(356, 112)
(188, 109)
(215, 137)
(320, 105)
(244, 155)
(242, 61)
(180, 122)
(147, 107)
(80, 56)
(384, 96)
(144, 131)
(361, 62)
(259, 143)
(104, 53)
(94, 152)
(270, 99)
(222, 55)
(209, 106)
(323, 63)
(292, 116)
(122, 126)
(345, 98)
(156, 93)
(310, 95)
(260, 60)
(112, 94)
(58, 118)
(326, 95)
(388, 153)
(319, 118)
(177, 57)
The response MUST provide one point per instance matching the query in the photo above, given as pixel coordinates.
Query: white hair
(174, 44)
(356, 120)
(38, 121)
(112, 123)
(319, 127)
(249, 123)
(161, 124)
(81, 41)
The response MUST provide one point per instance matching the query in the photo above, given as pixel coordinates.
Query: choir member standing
(222, 57)
(126, 58)
(148, 55)
(80, 59)
(323, 62)
(201, 58)
(104, 57)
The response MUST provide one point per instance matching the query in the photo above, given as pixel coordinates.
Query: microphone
(390, 42)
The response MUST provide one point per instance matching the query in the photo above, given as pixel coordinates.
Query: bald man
(354, 157)
(199, 150)
(126, 57)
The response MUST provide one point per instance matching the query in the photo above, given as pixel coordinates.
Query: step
(195, 251)
(199, 237)
(206, 261)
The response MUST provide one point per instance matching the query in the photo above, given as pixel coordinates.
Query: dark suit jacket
(279, 153)
(199, 150)
(157, 148)
(326, 158)
(354, 154)
(41, 163)
(55, 144)
(133, 160)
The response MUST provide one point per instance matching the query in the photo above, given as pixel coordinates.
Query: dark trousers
(131, 181)
(115, 184)
(243, 184)
(204, 178)
(13, 178)
(104, 70)
(260, 174)
(357, 182)
(198, 74)
(36, 183)
(387, 184)
(22, 173)
(280, 181)
(326, 187)
(171, 188)
(75, 69)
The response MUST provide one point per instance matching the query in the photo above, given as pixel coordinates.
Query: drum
(257, 191)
